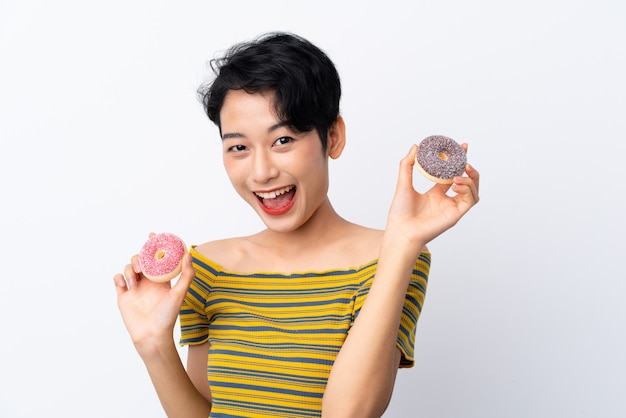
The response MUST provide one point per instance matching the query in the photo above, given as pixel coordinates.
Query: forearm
(362, 378)
(178, 396)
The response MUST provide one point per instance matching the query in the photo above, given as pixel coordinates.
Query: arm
(197, 368)
(149, 311)
(362, 378)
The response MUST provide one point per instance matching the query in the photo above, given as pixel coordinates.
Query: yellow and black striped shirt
(274, 337)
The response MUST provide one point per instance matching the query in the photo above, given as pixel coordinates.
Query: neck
(324, 226)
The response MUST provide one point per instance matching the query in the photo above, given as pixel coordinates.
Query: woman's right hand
(150, 309)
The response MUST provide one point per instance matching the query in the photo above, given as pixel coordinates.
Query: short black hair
(303, 79)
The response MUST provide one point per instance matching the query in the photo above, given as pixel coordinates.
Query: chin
(289, 222)
(282, 226)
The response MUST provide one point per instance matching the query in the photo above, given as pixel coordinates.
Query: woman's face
(282, 174)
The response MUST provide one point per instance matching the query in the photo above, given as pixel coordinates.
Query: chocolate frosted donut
(440, 158)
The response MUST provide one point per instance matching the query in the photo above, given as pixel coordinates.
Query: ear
(337, 138)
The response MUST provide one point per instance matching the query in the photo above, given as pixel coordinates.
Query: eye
(283, 140)
(237, 148)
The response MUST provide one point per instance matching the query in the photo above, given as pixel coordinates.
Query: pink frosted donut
(161, 257)
(440, 158)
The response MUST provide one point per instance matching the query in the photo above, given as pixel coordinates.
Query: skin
(261, 155)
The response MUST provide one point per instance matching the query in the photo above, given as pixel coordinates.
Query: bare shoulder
(350, 246)
(364, 239)
(225, 252)
(347, 246)
(359, 245)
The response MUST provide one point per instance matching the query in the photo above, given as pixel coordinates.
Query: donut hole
(159, 255)
(443, 156)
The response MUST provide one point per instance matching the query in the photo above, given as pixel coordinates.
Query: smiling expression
(281, 173)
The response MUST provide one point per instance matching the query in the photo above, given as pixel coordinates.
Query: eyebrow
(269, 130)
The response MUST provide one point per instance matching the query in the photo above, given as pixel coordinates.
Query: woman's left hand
(421, 217)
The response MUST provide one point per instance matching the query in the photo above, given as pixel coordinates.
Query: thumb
(186, 277)
(405, 176)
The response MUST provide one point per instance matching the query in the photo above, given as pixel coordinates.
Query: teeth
(273, 193)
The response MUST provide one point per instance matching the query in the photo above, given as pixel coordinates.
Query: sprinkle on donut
(161, 257)
(440, 158)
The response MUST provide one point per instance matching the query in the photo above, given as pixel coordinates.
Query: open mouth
(277, 199)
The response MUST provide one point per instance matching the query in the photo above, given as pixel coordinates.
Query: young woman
(313, 315)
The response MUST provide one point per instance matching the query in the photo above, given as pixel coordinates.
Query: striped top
(274, 337)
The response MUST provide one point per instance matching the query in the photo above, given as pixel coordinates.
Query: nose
(264, 168)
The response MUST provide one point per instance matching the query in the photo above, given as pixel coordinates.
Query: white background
(103, 141)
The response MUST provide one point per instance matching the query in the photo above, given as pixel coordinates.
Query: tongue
(279, 201)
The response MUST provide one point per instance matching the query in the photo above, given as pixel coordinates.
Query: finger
(131, 276)
(463, 199)
(466, 190)
(120, 284)
(464, 146)
(473, 174)
(405, 176)
(134, 261)
(462, 186)
(186, 277)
